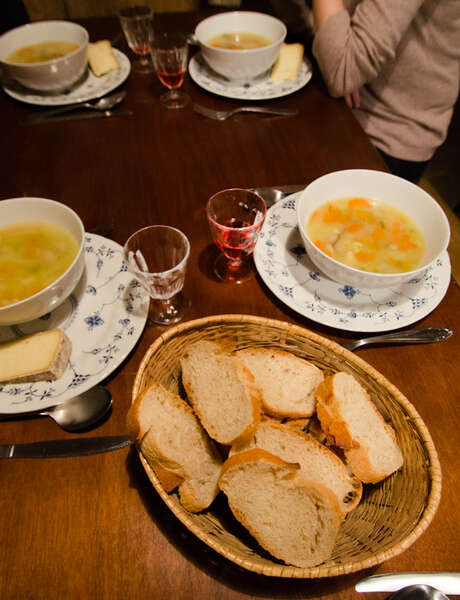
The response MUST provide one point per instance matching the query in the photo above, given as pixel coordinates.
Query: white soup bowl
(384, 187)
(16, 210)
(54, 75)
(240, 64)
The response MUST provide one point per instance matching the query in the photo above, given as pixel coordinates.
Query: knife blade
(88, 114)
(448, 582)
(64, 448)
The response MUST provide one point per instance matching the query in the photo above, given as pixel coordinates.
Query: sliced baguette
(294, 519)
(317, 462)
(288, 383)
(351, 421)
(221, 391)
(173, 442)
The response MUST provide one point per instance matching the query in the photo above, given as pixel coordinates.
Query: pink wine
(238, 242)
(171, 80)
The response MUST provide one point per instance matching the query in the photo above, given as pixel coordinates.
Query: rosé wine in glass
(169, 56)
(235, 217)
(137, 25)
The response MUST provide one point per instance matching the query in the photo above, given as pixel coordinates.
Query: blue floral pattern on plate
(260, 88)
(92, 87)
(283, 264)
(103, 317)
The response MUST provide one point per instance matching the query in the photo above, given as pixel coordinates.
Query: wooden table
(93, 527)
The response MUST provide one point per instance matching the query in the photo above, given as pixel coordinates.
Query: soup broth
(367, 235)
(41, 52)
(32, 255)
(241, 40)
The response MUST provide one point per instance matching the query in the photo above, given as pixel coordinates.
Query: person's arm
(351, 49)
(323, 9)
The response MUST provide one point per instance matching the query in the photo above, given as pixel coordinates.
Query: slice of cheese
(38, 357)
(287, 65)
(101, 58)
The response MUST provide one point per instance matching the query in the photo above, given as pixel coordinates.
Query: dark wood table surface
(93, 527)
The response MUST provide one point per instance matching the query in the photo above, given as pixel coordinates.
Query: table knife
(88, 114)
(448, 582)
(64, 448)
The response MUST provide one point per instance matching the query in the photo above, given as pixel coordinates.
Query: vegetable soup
(239, 41)
(32, 255)
(41, 52)
(368, 235)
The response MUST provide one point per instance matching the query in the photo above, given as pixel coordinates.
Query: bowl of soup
(41, 257)
(45, 56)
(370, 229)
(240, 45)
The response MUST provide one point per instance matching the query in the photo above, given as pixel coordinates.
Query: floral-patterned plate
(89, 88)
(260, 88)
(104, 317)
(283, 264)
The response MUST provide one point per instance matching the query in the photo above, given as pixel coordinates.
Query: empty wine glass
(235, 217)
(169, 55)
(157, 255)
(137, 25)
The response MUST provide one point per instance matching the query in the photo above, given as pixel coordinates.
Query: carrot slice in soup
(358, 203)
(364, 256)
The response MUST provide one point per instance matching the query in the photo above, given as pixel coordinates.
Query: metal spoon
(78, 413)
(418, 592)
(412, 336)
(105, 103)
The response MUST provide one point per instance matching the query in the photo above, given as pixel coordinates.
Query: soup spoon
(78, 413)
(105, 103)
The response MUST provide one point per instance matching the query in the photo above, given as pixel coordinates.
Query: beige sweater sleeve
(353, 46)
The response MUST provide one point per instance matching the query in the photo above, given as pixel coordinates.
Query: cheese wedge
(101, 58)
(38, 357)
(287, 65)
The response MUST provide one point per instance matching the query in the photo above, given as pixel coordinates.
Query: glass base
(174, 99)
(167, 312)
(233, 272)
(142, 65)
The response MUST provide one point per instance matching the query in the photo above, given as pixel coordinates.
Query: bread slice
(38, 357)
(294, 519)
(173, 442)
(352, 422)
(287, 65)
(101, 58)
(288, 383)
(317, 462)
(221, 391)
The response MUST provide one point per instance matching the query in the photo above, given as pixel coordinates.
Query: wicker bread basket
(390, 516)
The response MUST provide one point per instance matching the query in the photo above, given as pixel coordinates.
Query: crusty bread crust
(351, 421)
(160, 422)
(229, 411)
(317, 462)
(294, 519)
(287, 382)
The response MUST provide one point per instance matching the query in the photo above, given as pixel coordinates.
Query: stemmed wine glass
(157, 256)
(235, 217)
(169, 54)
(137, 25)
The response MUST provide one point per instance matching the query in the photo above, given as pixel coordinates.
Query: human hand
(353, 100)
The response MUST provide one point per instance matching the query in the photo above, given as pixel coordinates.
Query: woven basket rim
(286, 571)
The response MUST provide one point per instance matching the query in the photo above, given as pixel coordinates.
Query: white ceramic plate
(261, 88)
(92, 87)
(104, 318)
(283, 264)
